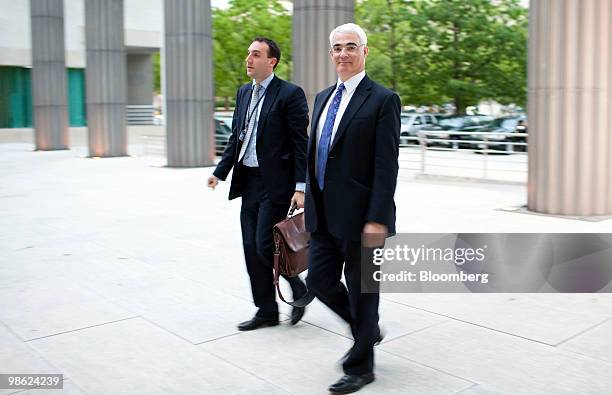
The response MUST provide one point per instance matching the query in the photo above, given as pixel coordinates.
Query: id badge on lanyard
(243, 132)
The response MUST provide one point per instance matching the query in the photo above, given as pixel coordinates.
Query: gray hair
(349, 28)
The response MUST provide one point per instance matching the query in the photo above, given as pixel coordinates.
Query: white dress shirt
(250, 155)
(350, 86)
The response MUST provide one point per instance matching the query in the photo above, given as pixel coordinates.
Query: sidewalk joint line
(245, 370)
(166, 330)
(478, 325)
(429, 367)
(467, 389)
(582, 332)
(415, 331)
(325, 329)
(218, 338)
(80, 329)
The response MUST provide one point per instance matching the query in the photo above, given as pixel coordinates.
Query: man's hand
(298, 199)
(374, 234)
(212, 182)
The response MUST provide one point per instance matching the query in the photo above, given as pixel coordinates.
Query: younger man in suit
(267, 150)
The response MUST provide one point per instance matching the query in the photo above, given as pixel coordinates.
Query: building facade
(143, 21)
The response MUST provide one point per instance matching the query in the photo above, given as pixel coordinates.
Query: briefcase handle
(291, 210)
(309, 296)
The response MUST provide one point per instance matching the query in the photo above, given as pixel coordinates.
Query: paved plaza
(128, 278)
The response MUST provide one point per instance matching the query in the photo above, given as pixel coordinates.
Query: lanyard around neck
(261, 95)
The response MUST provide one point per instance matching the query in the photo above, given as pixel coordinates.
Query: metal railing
(473, 155)
(450, 153)
(156, 145)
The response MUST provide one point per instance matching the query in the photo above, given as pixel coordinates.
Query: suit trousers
(258, 215)
(327, 256)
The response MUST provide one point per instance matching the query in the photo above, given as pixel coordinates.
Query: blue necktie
(326, 134)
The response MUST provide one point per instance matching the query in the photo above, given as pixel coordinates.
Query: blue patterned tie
(326, 134)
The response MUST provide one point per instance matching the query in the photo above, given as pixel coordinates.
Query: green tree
(233, 31)
(387, 22)
(156, 73)
(433, 51)
(475, 49)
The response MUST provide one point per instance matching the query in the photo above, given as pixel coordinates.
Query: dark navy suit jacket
(362, 167)
(281, 140)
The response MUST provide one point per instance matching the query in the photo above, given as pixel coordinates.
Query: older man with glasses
(352, 173)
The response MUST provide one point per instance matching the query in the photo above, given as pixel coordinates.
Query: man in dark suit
(352, 173)
(267, 150)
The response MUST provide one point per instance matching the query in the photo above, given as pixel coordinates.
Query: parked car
(222, 135)
(226, 117)
(521, 127)
(506, 124)
(454, 123)
(411, 123)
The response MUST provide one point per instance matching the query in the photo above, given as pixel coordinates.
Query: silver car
(411, 123)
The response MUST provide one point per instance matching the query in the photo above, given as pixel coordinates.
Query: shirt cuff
(300, 186)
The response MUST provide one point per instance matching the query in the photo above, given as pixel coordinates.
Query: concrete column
(105, 78)
(189, 83)
(570, 107)
(312, 22)
(140, 79)
(49, 74)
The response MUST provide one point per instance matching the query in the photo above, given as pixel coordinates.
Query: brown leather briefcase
(291, 243)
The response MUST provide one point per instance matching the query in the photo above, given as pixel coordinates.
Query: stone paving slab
(17, 357)
(90, 241)
(600, 304)
(395, 319)
(479, 390)
(595, 342)
(69, 388)
(304, 360)
(181, 306)
(503, 362)
(511, 313)
(137, 357)
(39, 308)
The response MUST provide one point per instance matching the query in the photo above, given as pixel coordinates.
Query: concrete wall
(143, 23)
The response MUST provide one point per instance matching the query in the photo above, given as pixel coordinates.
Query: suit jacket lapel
(316, 114)
(244, 108)
(244, 103)
(361, 94)
(271, 93)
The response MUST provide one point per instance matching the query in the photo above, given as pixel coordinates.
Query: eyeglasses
(350, 48)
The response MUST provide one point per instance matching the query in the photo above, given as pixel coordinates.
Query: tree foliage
(233, 31)
(433, 51)
(429, 51)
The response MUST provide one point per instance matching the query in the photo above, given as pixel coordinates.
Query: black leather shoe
(350, 383)
(380, 338)
(296, 314)
(256, 323)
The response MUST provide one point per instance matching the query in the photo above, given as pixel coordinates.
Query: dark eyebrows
(351, 43)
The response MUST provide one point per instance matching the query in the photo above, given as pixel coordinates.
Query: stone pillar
(570, 107)
(312, 22)
(49, 74)
(105, 78)
(189, 83)
(139, 79)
